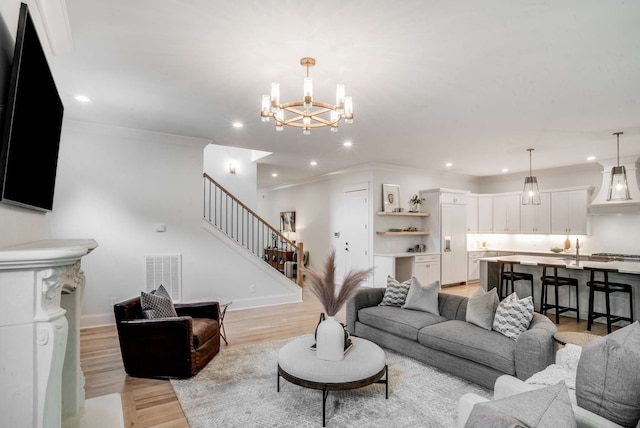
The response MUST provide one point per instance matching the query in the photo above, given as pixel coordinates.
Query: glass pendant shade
(530, 193)
(618, 187)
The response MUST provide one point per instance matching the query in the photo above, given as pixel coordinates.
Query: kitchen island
(625, 272)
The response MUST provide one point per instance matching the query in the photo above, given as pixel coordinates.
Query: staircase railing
(240, 223)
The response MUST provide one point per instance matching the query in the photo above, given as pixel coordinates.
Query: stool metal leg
(555, 278)
(591, 297)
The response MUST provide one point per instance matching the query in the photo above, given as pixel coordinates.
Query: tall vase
(330, 340)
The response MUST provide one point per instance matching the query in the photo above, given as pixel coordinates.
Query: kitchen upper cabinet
(536, 218)
(453, 198)
(506, 214)
(472, 214)
(569, 212)
(485, 214)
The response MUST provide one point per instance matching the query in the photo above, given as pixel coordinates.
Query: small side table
(574, 337)
(223, 303)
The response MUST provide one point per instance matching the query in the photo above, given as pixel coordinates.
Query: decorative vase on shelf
(330, 340)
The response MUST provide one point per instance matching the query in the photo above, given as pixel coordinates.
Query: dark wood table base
(340, 386)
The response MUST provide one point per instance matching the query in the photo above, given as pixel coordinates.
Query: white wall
(114, 185)
(242, 184)
(318, 205)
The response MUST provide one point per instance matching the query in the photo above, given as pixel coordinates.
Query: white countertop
(621, 267)
(570, 253)
(406, 254)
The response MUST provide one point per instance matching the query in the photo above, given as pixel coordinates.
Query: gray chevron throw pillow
(513, 316)
(396, 292)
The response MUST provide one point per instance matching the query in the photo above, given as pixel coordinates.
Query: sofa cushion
(471, 342)
(513, 316)
(397, 321)
(396, 292)
(608, 376)
(204, 329)
(481, 309)
(548, 407)
(423, 297)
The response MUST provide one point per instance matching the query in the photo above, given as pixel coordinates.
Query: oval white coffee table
(364, 364)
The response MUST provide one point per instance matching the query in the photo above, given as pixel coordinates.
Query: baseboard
(97, 320)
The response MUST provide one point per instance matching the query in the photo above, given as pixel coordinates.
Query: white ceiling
(470, 82)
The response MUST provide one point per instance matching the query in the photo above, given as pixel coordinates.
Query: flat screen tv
(32, 124)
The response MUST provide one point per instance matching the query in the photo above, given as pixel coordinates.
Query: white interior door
(355, 233)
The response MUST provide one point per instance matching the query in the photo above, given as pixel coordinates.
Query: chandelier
(307, 114)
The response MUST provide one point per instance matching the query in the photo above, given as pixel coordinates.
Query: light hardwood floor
(152, 402)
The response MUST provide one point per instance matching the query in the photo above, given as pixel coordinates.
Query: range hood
(600, 205)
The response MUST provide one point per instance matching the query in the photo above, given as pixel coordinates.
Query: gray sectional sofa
(450, 343)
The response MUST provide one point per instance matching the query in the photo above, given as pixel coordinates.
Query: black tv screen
(32, 125)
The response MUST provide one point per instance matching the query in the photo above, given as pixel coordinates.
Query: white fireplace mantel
(41, 288)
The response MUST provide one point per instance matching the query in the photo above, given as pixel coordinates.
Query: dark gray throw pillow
(548, 407)
(608, 376)
(157, 304)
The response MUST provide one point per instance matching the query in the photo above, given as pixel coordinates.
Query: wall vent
(165, 269)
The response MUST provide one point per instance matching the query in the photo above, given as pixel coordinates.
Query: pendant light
(618, 187)
(530, 193)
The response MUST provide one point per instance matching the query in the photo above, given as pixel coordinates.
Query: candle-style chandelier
(307, 114)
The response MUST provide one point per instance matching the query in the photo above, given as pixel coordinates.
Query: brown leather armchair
(167, 347)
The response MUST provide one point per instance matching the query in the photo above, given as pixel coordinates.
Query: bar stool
(607, 288)
(508, 277)
(557, 282)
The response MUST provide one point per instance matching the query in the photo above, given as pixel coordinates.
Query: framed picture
(288, 221)
(390, 198)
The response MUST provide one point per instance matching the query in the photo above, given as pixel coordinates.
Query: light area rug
(238, 389)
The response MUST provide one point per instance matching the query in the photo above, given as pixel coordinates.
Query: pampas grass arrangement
(323, 285)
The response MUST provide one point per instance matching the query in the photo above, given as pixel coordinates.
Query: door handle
(447, 243)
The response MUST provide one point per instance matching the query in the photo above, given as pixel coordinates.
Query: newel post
(300, 261)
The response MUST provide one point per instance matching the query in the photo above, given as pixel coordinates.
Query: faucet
(577, 253)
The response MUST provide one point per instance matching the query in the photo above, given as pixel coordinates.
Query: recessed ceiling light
(237, 125)
(505, 169)
(82, 98)
(448, 164)
(274, 174)
(590, 158)
(313, 163)
(347, 144)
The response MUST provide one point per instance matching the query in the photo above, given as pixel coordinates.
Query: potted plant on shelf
(415, 203)
(330, 334)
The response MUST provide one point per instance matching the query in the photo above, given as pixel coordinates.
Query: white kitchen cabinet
(397, 267)
(473, 269)
(453, 198)
(472, 214)
(485, 214)
(569, 212)
(537, 218)
(506, 214)
(427, 268)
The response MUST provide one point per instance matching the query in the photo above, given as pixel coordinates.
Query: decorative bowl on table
(557, 250)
